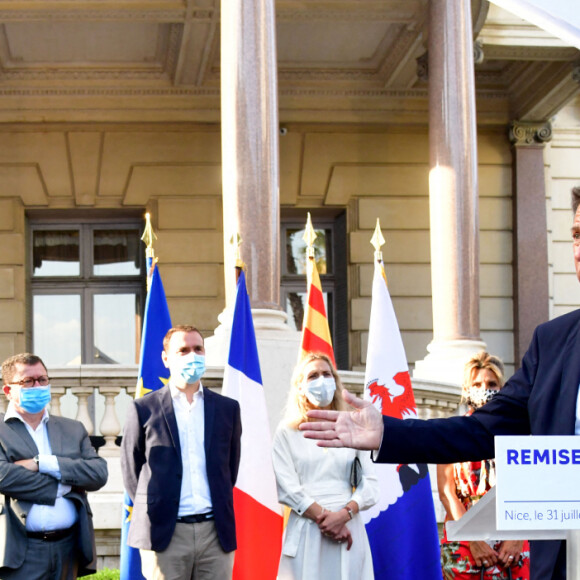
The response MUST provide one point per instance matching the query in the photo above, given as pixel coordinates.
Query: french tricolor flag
(258, 513)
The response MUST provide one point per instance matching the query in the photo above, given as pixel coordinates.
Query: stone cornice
(100, 15)
(169, 91)
(543, 53)
(522, 133)
(403, 12)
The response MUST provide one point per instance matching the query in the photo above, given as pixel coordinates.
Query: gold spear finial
(309, 237)
(377, 241)
(149, 237)
(236, 242)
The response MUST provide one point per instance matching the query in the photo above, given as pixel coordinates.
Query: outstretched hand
(359, 429)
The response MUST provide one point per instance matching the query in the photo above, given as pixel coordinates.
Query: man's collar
(176, 393)
(12, 413)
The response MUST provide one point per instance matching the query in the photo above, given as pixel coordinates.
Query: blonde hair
(479, 361)
(298, 405)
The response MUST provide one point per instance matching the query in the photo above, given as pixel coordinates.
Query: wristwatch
(36, 459)
(348, 511)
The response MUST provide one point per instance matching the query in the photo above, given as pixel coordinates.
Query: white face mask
(320, 391)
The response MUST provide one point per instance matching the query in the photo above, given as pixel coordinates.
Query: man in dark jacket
(541, 398)
(180, 458)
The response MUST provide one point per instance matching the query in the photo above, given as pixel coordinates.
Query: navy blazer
(152, 467)
(539, 399)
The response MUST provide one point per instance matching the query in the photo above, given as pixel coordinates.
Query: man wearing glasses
(47, 464)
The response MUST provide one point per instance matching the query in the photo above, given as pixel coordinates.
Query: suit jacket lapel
(209, 399)
(20, 429)
(55, 437)
(169, 414)
(570, 383)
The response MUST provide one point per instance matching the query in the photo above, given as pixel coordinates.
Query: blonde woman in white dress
(325, 538)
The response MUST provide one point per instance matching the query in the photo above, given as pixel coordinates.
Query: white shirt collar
(178, 394)
(12, 413)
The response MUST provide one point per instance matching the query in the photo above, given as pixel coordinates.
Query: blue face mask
(192, 368)
(34, 399)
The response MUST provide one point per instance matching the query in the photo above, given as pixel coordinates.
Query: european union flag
(152, 376)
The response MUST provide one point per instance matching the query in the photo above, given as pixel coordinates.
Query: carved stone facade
(522, 133)
(113, 107)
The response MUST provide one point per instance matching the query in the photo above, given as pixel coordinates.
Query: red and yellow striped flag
(315, 330)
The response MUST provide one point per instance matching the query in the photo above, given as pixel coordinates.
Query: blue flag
(152, 376)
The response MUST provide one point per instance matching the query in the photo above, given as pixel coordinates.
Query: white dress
(306, 473)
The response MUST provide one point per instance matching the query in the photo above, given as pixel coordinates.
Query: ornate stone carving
(423, 67)
(576, 72)
(523, 133)
(362, 14)
(478, 55)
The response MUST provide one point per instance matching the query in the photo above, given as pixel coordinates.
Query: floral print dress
(472, 480)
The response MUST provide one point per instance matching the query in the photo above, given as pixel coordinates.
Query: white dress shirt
(63, 513)
(195, 495)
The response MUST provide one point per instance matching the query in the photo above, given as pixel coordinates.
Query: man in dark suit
(47, 464)
(180, 458)
(540, 399)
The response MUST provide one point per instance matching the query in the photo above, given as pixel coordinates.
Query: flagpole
(152, 375)
(377, 241)
(236, 242)
(149, 237)
(309, 237)
(405, 510)
(315, 329)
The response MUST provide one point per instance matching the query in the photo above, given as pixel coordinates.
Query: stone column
(531, 294)
(250, 160)
(250, 182)
(452, 193)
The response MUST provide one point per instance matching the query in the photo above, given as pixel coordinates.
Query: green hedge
(104, 574)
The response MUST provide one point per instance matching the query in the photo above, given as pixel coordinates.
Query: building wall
(175, 173)
(385, 175)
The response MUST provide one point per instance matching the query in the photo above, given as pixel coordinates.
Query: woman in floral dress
(461, 485)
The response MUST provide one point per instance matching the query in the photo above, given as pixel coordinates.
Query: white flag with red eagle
(403, 521)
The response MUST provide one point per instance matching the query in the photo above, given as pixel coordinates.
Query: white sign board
(538, 482)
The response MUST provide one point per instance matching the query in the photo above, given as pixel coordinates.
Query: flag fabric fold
(402, 524)
(257, 511)
(315, 329)
(152, 376)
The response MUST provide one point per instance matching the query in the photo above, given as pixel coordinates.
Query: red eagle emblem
(398, 405)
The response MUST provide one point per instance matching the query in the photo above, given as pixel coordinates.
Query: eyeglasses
(43, 380)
